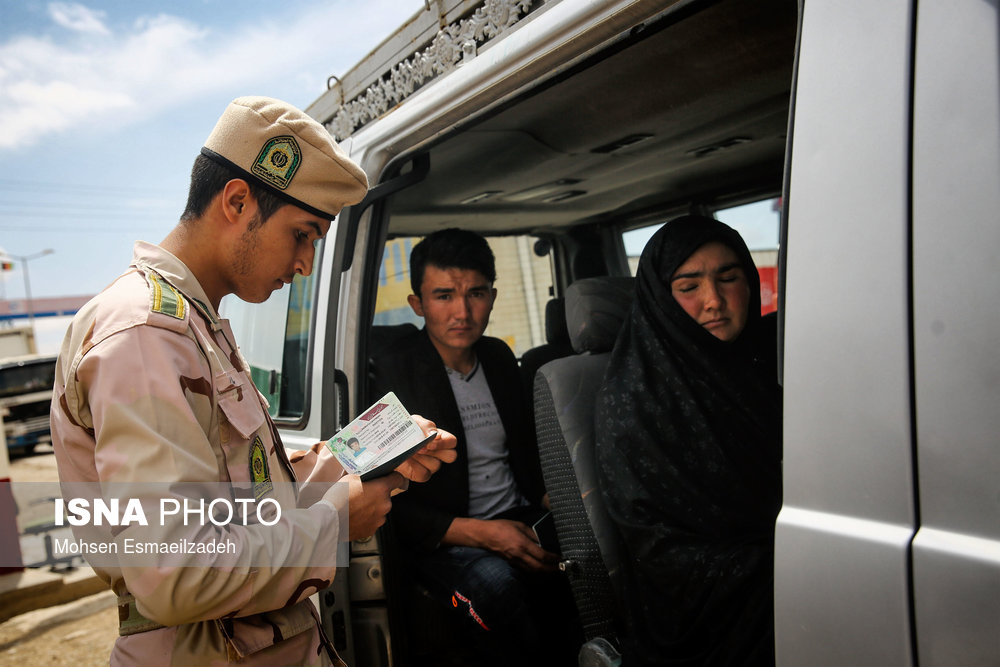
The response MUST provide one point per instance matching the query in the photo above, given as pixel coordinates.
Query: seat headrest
(555, 321)
(382, 337)
(595, 311)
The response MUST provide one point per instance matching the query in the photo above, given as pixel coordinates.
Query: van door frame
(842, 550)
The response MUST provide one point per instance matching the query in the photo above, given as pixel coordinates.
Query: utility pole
(27, 281)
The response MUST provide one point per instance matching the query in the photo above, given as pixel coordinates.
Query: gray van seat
(565, 390)
(557, 344)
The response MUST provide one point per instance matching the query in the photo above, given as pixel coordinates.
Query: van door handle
(342, 386)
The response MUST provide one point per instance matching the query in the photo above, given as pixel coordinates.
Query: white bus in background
(25, 396)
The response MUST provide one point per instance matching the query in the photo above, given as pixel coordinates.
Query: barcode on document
(398, 432)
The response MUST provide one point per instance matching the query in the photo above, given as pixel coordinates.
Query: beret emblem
(278, 161)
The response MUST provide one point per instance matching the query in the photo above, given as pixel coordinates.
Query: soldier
(151, 387)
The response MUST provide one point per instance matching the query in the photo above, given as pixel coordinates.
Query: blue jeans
(518, 617)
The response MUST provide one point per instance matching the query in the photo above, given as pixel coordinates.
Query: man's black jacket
(413, 369)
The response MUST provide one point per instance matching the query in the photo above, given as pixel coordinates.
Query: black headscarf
(689, 462)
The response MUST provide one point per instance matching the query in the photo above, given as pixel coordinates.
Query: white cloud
(103, 80)
(50, 107)
(77, 17)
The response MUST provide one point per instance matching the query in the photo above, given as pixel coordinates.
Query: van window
(274, 339)
(523, 285)
(758, 224)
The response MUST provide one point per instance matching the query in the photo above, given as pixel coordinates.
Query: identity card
(379, 440)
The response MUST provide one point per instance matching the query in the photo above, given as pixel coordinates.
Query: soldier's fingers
(426, 425)
(393, 480)
(444, 441)
(444, 455)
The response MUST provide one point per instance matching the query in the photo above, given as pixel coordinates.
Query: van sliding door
(956, 264)
(843, 535)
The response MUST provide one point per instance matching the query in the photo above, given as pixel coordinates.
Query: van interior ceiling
(679, 113)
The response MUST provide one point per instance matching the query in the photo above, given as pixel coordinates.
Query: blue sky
(104, 106)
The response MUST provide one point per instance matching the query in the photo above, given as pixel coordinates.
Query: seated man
(469, 528)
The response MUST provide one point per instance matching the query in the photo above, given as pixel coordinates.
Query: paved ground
(35, 481)
(37, 467)
(80, 633)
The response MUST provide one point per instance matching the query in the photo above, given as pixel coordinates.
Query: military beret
(281, 148)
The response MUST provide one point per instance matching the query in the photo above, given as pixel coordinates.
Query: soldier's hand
(426, 461)
(371, 501)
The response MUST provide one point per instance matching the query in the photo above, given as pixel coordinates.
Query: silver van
(864, 133)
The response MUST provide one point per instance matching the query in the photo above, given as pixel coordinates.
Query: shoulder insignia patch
(166, 299)
(278, 161)
(260, 473)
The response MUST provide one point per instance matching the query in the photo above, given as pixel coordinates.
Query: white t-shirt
(492, 489)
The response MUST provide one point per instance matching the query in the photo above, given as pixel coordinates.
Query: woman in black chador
(689, 452)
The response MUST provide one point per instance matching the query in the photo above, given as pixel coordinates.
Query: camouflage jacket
(150, 387)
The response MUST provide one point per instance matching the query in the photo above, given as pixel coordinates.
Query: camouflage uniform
(151, 387)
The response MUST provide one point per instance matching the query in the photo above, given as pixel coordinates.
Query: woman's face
(712, 288)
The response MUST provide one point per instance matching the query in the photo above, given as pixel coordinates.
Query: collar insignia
(165, 299)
